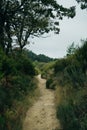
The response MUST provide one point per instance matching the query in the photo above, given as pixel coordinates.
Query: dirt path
(42, 115)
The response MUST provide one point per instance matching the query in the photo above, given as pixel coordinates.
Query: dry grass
(30, 99)
(59, 95)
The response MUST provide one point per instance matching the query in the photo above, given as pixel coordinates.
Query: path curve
(42, 115)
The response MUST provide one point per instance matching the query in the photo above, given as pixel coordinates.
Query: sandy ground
(42, 115)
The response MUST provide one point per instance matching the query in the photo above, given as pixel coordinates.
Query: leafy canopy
(24, 18)
(83, 3)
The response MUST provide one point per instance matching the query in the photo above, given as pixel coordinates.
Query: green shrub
(72, 111)
(22, 85)
(25, 66)
(3, 99)
(81, 111)
(2, 122)
(67, 117)
(81, 55)
(60, 65)
(50, 84)
(74, 75)
(8, 66)
(16, 81)
(72, 72)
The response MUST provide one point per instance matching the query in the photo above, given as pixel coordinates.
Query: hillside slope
(40, 57)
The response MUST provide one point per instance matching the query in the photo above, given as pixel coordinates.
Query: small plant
(50, 84)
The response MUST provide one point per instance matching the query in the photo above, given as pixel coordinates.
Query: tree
(8, 8)
(29, 17)
(83, 3)
(71, 49)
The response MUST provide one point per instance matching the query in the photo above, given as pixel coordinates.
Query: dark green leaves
(83, 3)
(26, 18)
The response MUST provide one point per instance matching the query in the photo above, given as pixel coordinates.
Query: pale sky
(71, 30)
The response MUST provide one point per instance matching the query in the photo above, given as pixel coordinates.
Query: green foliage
(73, 114)
(8, 66)
(81, 55)
(71, 73)
(16, 81)
(49, 84)
(60, 65)
(71, 49)
(2, 122)
(29, 18)
(73, 68)
(43, 58)
(67, 116)
(25, 66)
(47, 69)
(39, 58)
(75, 76)
(4, 99)
(83, 3)
(22, 85)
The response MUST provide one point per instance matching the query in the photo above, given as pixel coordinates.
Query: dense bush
(16, 80)
(72, 72)
(81, 55)
(50, 84)
(25, 66)
(73, 116)
(73, 69)
(60, 65)
(67, 117)
(74, 75)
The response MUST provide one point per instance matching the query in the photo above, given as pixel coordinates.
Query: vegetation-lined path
(42, 115)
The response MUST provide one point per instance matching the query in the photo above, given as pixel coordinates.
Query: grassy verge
(71, 106)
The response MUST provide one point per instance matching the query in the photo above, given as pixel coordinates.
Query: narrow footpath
(42, 115)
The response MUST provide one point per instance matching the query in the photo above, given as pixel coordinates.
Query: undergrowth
(70, 78)
(16, 82)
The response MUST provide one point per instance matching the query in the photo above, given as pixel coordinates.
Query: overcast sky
(71, 30)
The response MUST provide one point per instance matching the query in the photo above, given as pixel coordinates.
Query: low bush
(60, 65)
(25, 67)
(71, 74)
(50, 84)
(73, 116)
(67, 117)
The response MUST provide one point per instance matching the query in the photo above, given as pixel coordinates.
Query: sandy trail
(42, 115)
